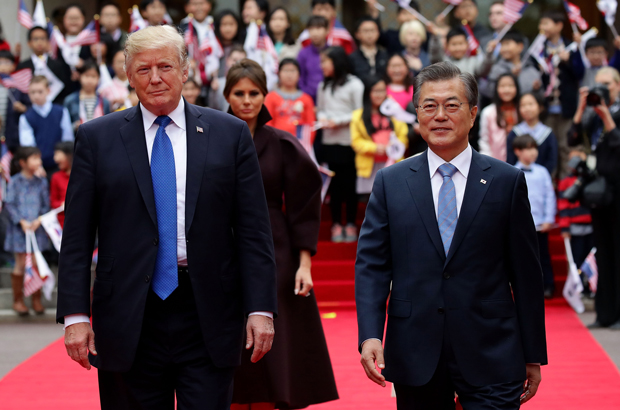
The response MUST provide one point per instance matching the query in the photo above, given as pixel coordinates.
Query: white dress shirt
(462, 162)
(176, 131)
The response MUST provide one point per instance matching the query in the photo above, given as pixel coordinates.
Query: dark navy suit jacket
(486, 295)
(229, 244)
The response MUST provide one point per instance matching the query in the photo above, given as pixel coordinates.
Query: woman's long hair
(342, 68)
(288, 34)
(501, 122)
(370, 82)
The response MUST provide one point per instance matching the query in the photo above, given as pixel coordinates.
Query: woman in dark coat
(297, 371)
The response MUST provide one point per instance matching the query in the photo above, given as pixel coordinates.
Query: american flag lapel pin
(199, 129)
(484, 181)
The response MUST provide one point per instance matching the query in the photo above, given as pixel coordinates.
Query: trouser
(545, 260)
(560, 127)
(171, 358)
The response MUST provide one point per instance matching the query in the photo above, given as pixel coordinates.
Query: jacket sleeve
(78, 237)
(402, 132)
(551, 159)
(525, 275)
(10, 203)
(511, 158)
(252, 231)
(361, 142)
(373, 266)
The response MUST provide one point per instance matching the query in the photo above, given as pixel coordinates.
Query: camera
(597, 94)
(584, 175)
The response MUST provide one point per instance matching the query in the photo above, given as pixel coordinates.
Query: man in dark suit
(174, 194)
(449, 233)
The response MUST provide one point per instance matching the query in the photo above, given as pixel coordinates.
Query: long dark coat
(297, 371)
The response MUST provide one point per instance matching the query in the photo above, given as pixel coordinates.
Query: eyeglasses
(430, 108)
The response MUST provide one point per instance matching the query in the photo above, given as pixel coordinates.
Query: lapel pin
(483, 181)
(199, 129)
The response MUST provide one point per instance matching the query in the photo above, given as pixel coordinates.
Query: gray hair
(156, 38)
(443, 72)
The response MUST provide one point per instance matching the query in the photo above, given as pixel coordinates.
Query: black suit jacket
(486, 295)
(229, 244)
(59, 69)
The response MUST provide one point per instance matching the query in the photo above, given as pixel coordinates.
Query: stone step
(5, 275)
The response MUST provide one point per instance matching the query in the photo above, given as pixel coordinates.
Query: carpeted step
(334, 290)
(329, 251)
(333, 270)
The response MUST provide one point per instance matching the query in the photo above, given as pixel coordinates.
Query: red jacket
(570, 212)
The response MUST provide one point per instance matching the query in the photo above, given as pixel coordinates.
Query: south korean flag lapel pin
(483, 181)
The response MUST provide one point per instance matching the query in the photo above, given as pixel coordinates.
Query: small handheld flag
(23, 16)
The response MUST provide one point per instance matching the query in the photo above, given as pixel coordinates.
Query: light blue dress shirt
(540, 193)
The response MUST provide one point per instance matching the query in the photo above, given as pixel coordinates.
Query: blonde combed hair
(609, 70)
(156, 38)
(416, 27)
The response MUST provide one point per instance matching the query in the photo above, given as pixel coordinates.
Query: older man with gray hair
(174, 193)
(449, 237)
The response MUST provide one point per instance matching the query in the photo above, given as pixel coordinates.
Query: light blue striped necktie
(447, 215)
(163, 174)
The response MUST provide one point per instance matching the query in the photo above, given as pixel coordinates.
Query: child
(38, 41)
(254, 10)
(110, 22)
(400, 80)
(337, 34)
(573, 218)
(456, 52)
(132, 99)
(63, 156)
(338, 96)
(216, 96)
(530, 108)
(27, 199)
(542, 201)
(281, 33)
(154, 11)
(596, 54)
(227, 30)
(370, 134)
(287, 104)
(368, 59)
(199, 10)
(310, 73)
(412, 35)
(191, 92)
(44, 124)
(86, 104)
(510, 62)
(116, 91)
(73, 23)
(497, 119)
(468, 11)
(390, 38)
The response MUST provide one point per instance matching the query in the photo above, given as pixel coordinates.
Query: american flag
(32, 280)
(136, 20)
(5, 162)
(304, 135)
(590, 268)
(23, 16)
(472, 42)
(88, 36)
(574, 15)
(57, 40)
(453, 2)
(19, 79)
(513, 10)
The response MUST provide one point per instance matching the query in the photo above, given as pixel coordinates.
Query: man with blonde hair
(174, 193)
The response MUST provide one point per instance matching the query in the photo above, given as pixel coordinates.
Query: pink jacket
(492, 140)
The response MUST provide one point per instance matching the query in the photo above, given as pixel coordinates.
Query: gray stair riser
(6, 299)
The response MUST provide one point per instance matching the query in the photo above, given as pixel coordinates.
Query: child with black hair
(596, 54)
(542, 201)
(86, 104)
(337, 34)
(191, 92)
(154, 12)
(527, 74)
(338, 96)
(456, 52)
(281, 32)
(228, 30)
(399, 80)
(369, 58)
(110, 20)
(253, 10)
(27, 199)
(310, 73)
(63, 156)
(371, 132)
(116, 90)
(468, 11)
(530, 108)
(390, 38)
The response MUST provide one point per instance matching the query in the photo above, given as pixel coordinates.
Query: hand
(328, 124)
(564, 55)
(381, 149)
(215, 84)
(303, 281)
(17, 49)
(530, 386)
(546, 227)
(414, 63)
(260, 335)
(373, 11)
(75, 76)
(516, 70)
(491, 46)
(536, 85)
(25, 225)
(19, 107)
(440, 20)
(40, 173)
(603, 112)
(79, 340)
(617, 42)
(373, 351)
(34, 225)
(566, 235)
(577, 38)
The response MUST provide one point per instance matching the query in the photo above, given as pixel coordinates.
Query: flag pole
(574, 26)
(613, 30)
(416, 13)
(446, 11)
(378, 6)
(17, 32)
(502, 33)
(99, 58)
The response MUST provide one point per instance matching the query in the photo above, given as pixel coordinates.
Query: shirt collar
(44, 109)
(462, 162)
(177, 116)
(520, 165)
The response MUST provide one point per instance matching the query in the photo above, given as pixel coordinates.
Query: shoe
(19, 307)
(596, 325)
(337, 233)
(37, 306)
(350, 233)
(615, 326)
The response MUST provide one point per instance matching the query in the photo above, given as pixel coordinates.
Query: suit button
(441, 311)
(446, 275)
(155, 241)
(147, 278)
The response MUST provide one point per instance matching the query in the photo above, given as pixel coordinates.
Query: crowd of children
(333, 82)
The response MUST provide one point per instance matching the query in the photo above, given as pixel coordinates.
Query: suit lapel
(478, 182)
(134, 140)
(197, 146)
(419, 183)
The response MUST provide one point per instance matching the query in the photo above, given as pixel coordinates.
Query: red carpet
(581, 375)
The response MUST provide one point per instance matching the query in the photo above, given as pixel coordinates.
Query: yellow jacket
(364, 146)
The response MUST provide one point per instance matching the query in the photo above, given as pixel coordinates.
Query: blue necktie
(447, 216)
(165, 277)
